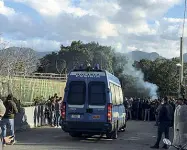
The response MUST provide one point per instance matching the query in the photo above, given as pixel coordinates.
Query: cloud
(53, 7)
(6, 10)
(39, 44)
(123, 24)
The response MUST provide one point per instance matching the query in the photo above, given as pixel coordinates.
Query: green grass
(26, 89)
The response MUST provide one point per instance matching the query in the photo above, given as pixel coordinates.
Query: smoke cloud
(142, 86)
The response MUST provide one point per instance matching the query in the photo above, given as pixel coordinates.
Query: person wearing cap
(164, 122)
(8, 118)
(5, 139)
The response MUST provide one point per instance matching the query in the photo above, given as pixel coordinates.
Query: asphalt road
(138, 136)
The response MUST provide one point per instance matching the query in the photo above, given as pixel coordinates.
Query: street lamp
(178, 70)
(179, 67)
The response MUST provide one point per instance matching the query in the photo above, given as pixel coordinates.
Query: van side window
(117, 95)
(121, 95)
(97, 93)
(76, 93)
(113, 94)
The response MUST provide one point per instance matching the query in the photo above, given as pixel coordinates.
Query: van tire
(109, 135)
(113, 134)
(75, 134)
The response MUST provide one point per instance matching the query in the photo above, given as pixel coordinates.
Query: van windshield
(77, 93)
(97, 95)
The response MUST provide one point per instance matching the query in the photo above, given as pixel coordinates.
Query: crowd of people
(160, 110)
(52, 111)
(9, 109)
(144, 109)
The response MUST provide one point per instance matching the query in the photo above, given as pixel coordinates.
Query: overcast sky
(127, 25)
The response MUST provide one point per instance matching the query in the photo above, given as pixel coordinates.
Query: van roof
(95, 73)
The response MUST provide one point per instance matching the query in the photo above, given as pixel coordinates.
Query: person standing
(52, 110)
(157, 109)
(147, 108)
(6, 139)
(57, 113)
(47, 113)
(129, 109)
(8, 118)
(164, 123)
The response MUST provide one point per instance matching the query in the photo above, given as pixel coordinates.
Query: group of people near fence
(9, 109)
(52, 111)
(160, 110)
(145, 109)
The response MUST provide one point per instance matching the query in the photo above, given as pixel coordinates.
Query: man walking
(164, 122)
(8, 118)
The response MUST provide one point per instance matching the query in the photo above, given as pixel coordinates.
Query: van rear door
(76, 101)
(96, 110)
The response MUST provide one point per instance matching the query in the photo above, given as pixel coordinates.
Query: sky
(126, 25)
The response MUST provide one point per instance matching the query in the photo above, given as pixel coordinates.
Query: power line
(184, 19)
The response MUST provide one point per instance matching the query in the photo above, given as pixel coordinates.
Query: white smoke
(140, 84)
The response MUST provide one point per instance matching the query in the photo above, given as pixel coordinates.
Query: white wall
(29, 117)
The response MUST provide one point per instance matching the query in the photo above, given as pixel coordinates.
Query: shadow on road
(138, 136)
(53, 136)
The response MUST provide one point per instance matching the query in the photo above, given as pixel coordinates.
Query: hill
(135, 55)
(25, 49)
(138, 55)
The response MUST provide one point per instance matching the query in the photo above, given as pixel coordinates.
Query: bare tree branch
(60, 65)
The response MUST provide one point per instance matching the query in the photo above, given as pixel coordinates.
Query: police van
(93, 104)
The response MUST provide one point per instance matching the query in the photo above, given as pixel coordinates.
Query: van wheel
(113, 134)
(75, 134)
(109, 135)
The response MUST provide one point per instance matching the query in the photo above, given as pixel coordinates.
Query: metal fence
(28, 87)
(51, 76)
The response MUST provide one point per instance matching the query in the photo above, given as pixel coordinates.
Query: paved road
(139, 136)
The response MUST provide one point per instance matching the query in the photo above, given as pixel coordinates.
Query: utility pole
(181, 68)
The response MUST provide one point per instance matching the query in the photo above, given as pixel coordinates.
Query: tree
(78, 53)
(137, 78)
(18, 59)
(14, 60)
(61, 66)
(162, 72)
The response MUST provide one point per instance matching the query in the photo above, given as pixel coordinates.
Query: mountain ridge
(136, 55)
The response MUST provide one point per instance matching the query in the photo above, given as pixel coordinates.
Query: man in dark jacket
(2, 112)
(8, 118)
(164, 122)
